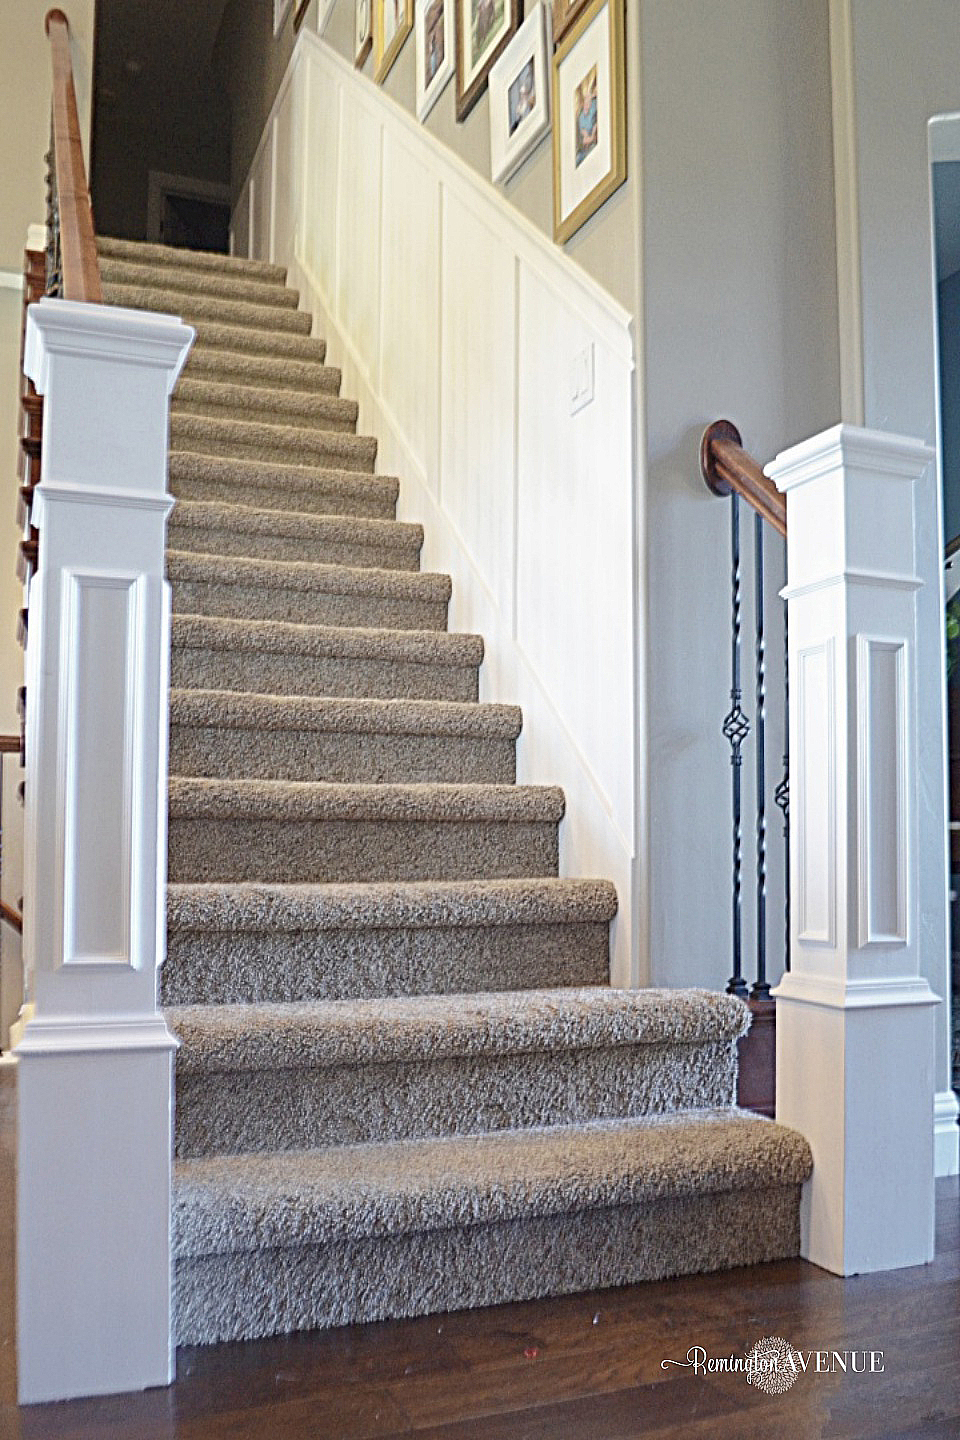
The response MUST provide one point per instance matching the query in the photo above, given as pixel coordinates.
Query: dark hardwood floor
(586, 1367)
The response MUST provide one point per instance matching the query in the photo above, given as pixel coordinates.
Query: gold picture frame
(589, 116)
(484, 29)
(392, 23)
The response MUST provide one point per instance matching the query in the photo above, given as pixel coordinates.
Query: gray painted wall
(740, 320)
(893, 103)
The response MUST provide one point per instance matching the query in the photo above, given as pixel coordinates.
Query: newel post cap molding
(849, 447)
(852, 506)
(103, 332)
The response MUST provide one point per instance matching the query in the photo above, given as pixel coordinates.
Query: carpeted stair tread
(175, 258)
(192, 797)
(257, 439)
(240, 735)
(333, 1033)
(278, 487)
(219, 398)
(424, 904)
(229, 710)
(426, 647)
(307, 575)
(279, 373)
(191, 307)
(217, 335)
(236, 1203)
(243, 943)
(195, 517)
(116, 271)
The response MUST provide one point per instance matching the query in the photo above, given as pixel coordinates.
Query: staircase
(404, 1084)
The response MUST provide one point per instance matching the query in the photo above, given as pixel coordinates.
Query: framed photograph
(520, 94)
(484, 29)
(392, 23)
(363, 31)
(589, 116)
(434, 41)
(564, 13)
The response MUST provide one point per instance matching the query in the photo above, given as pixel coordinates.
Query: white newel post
(94, 1056)
(855, 1017)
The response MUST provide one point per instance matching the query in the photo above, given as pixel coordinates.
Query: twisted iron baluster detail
(781, 795)
(54, 285)
(760, 989)
(736, 728)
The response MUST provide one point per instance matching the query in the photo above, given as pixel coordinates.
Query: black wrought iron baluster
(781, 795)
(736, 728)
(760, 988)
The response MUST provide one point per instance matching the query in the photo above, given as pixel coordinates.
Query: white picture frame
(324, 11)
(520, 94)
(281, 9)
(435, 39)
(362, 31)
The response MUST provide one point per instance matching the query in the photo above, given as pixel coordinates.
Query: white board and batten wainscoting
(499, 380)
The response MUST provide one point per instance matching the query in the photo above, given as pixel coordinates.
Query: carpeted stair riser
(206, 308)
(228, 367)
(286, 1241)
(246, 943)
(261, 1292)
(116, 272)
(243, 533)
(209, 263)
(301, 1077)
(260, 485)
(307, 594)
(244, 1110)
(227, 400)
(332, 448)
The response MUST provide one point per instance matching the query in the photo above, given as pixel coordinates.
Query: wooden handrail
(12, 917)
(726, 467)
(78, 246)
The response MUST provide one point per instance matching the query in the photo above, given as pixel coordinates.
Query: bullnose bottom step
(270, 1243)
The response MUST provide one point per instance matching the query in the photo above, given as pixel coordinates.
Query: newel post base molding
(94, 1055)
(855, 1015)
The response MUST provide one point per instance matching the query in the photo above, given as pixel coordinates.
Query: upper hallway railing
(72, 268)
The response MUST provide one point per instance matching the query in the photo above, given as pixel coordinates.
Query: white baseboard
(946, 1133)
